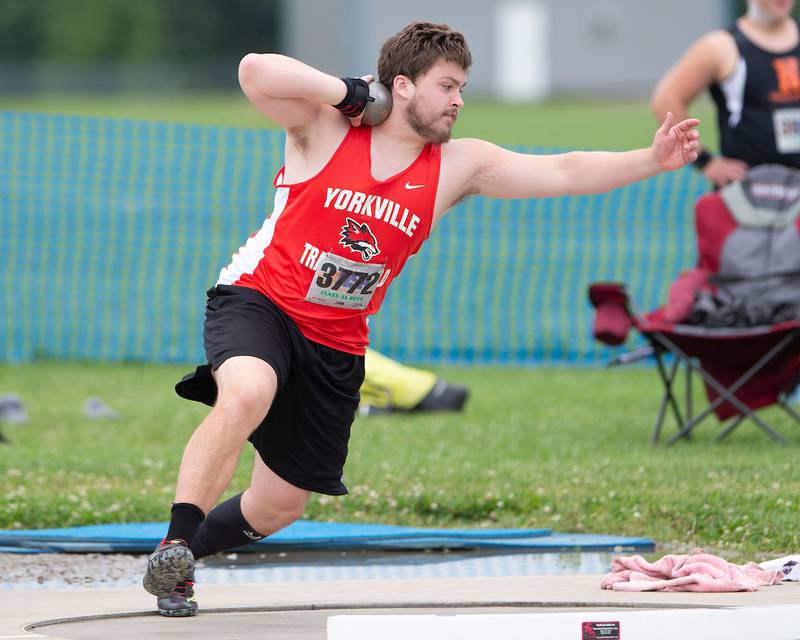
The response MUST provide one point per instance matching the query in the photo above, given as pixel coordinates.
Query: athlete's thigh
(268, 488)
(248, 381)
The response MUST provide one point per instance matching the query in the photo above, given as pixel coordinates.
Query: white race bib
(339, 282)
(787, 130)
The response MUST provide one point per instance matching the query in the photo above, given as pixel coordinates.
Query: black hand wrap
(703, 158)
(356, 99)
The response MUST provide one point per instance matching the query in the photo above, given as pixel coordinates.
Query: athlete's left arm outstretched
(501, 173)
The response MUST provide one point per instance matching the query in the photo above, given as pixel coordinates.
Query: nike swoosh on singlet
(414, 186)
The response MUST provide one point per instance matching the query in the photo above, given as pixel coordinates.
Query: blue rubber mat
(303, 534)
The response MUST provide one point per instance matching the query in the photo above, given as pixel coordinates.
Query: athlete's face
(435, 101)
(774, 9)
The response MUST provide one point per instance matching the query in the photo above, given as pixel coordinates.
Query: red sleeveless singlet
(334, 243)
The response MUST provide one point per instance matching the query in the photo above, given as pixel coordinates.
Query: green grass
(575, 123)
(560, 448)
(565, 449)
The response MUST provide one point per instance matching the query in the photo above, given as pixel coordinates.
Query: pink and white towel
(700, 572)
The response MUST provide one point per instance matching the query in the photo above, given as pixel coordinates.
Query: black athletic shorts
(304, 436)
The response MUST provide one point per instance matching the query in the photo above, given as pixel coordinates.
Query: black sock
(186, 518)
(225, 528)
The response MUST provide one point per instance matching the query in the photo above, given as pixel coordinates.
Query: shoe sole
(166, 568)
(177, 613)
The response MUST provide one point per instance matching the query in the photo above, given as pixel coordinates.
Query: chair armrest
(613, 318)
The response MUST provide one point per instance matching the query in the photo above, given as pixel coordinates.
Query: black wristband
(355, 101)
(703, 158)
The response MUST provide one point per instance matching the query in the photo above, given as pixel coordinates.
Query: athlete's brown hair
(417, 48)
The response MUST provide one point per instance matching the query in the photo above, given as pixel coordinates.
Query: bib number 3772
(339, 282)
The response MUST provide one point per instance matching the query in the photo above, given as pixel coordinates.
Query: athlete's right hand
(356, 122)
(721, 170)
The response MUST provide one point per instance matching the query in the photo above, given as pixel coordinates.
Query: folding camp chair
(749, 244)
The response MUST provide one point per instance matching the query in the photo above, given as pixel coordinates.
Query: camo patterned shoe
(181, 602)
(169, 564)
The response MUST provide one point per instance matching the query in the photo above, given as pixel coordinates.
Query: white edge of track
(742, 623)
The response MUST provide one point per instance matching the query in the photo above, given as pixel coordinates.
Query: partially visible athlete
(752, 71)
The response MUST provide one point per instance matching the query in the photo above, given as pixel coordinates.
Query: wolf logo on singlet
(342, 237)
(359, 238)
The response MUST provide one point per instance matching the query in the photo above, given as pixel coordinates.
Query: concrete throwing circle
(285, 623)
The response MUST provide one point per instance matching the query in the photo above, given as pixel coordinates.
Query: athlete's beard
(757, 15)
(424, 128)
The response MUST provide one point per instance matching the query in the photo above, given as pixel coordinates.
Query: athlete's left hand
(676, 145)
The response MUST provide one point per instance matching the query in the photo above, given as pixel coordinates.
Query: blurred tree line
(131, 45)
(135, 30)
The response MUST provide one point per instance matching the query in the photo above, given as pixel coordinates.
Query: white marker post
(522, 51)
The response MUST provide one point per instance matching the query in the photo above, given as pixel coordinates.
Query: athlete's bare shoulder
(709, 59)
(466, 151)
(468, 155)
(310, 146)
(717, 38)
(462, 159)
(718, 51)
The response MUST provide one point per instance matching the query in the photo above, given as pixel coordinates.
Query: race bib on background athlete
(787, 130)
